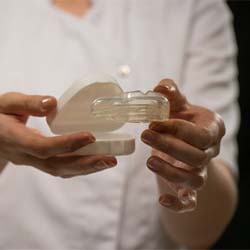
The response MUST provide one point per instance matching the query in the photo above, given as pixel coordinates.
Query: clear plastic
(188, 198)
(133, 107)
(139, 107)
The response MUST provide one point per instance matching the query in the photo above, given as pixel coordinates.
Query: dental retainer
(98, 104)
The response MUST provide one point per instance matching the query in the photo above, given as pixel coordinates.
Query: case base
(109, 144)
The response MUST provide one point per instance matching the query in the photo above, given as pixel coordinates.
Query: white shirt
(43, 50)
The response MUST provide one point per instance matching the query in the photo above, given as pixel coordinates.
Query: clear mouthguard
(133, 107)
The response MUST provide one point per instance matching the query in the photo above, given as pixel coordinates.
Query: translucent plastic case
(134, 107)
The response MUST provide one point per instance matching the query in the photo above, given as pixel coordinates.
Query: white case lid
(73, 112)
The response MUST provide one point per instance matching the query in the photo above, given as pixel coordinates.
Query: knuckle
(69, 146)
(216, 150)
(157, 140)
(5, 102)
(177, 127)
(60, 144)
(53, 170)
(27, 103)
(174, 127)
(163, 144)
(31, 103)
(175, 177)
(208, 136)
(203, 159)
(43, 147)
(41, 151)
(222, 126)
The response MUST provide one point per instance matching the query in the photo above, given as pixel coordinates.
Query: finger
(220, 125)
(191, 179)
(70, 166)
(46, 147)
(177, 101)
(21, 104)
(174, 204)
(176, 148)
(33, 143)
(213, 151)
(192, 134)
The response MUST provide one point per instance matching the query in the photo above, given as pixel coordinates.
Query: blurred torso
(42, 51)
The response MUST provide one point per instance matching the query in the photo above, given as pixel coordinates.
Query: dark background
(237, 235)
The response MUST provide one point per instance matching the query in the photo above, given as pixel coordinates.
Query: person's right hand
(25, 146)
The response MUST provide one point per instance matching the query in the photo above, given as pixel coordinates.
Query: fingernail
(107, 163)
(83, 141)
(148, 136)
(111, 162)
(46, 104)
(153, 164)
(101, 165)
(166, 201)
(154, 126)
(91, 139)
(168, 87)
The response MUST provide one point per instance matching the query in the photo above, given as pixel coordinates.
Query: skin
(75, 7)
(183, 151)
(48, 154)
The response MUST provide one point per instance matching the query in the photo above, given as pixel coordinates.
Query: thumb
(21, 104)
(177, 100)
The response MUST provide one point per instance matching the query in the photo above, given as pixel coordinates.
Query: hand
(25, 146)
(182, 146)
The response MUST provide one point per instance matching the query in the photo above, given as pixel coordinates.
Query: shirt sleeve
(209, 71)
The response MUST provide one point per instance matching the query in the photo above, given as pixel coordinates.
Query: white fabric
(43, 50)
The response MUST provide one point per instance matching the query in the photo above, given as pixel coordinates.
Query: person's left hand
(182, 146)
